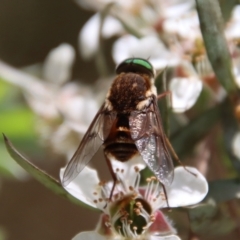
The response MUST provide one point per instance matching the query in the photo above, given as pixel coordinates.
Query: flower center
(131, 216)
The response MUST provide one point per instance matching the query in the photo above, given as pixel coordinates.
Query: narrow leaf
(48, 181)
(211, 24)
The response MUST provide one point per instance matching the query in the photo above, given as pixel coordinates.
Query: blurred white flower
(236, 72)
(57, 67)
(185, 92)
(185, 87)
(64, 111)
(101, 4)
(143, 17)
(186, 27)
(133, 211)
(236, 144)
(89, 34)
(149, 47)
(232, 30)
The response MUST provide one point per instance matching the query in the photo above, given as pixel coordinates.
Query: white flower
(236, 144)
(149, 47)
(89, 35)
(57, 67)
(185, 87)
(186, 26)
(64, 112)
(133, 211)
(232, 30)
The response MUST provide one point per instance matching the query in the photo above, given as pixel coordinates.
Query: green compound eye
(141, 62)
(135, 65)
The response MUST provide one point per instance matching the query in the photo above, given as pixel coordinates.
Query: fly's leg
(113, 177)
(164, 94)
(166, 197)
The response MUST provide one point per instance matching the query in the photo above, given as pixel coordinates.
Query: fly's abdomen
(121, 151)
(119, 143)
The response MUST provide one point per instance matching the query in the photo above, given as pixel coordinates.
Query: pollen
(139, 204)
(131, 188)
(152, 218)
(153, 178)
(136, 168)
(144, 228)
(130, 222)
(135, 228)
(137, 211)
(148, 180)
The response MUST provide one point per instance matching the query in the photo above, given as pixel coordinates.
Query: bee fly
(127, 124)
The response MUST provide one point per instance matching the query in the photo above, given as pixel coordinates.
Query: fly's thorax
(128, 90)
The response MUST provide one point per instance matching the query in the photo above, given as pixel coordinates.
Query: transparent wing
(147, 132)
(92, 140)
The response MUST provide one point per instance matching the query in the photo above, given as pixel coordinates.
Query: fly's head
(133, 86)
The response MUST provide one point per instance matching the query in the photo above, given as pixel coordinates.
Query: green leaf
(3, 234)
(17, 121)
(8, 167)
(210, 219)
(223, 190)
(211, 24)
(48, 181)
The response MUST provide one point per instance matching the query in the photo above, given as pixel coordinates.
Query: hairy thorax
(128, 90)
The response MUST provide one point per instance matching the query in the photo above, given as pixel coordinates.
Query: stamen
(146, 195)
(145, 214)
(137, 211)
(119, 230)
(149, 190)
(137, 180)
(156, 190)
(135, 230)
(126, 229)
(136, 168)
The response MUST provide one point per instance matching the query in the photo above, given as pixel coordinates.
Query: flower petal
(187, 188)
(83, 186)
(91, 235)
(58, 64)
(236, 144)
(161, 225)
(128, 171)
(185, 92)
(74, 96)
(88, 37)
(149, 47)
(171, 237)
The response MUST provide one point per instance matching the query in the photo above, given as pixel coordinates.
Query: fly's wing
(92, 140)
(148, 135)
